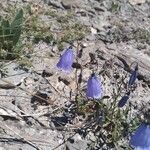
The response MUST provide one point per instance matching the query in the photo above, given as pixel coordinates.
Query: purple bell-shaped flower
(94, 87)
(133, 76)
(124, 99)
(66, 60)
(140, 140)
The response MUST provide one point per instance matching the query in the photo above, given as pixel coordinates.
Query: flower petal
(66, 60)
(94, 87)
(141, 138)
(123, 101)
(133, 76)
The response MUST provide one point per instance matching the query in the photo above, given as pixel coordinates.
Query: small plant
(9, 35)
(114, 7)
(110, 120)
(73, 32)
(142, 35)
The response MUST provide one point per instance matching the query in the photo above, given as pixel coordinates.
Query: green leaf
(6, 28)
(16, 26)
(0, 19)
(5, 35)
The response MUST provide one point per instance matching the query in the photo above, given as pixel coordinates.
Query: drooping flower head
(140, 140)
(124, 100)
(133, 76)
(66, 60)
(94, 87)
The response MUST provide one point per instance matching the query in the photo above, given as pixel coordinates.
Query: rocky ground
(35, 94)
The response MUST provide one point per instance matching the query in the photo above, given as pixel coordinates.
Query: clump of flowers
(109, 121)
(131, 82)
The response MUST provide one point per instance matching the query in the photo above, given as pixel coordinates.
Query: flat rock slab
(15, 75)
(135, 2)
(74, 3)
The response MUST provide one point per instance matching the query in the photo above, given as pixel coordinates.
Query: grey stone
(68, 4)
(135, 2)
(54, 3)
(78, 143)
(14, 74)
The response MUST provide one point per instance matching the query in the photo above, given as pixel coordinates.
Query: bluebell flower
(124, 100)
(140, 140)
(66, 60)
(133, 76)
(94, 87)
